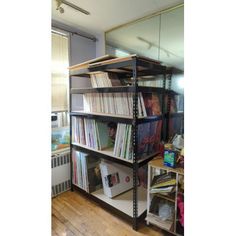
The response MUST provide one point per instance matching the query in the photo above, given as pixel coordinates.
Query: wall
(100, 45)
(81, 49)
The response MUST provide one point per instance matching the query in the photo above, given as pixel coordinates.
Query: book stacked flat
(163, 184)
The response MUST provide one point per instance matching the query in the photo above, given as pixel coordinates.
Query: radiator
(60, 165)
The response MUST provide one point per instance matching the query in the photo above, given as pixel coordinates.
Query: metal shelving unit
(132, 66)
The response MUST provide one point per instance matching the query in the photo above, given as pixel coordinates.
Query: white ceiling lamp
(61, 9)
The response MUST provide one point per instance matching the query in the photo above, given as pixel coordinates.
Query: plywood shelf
(157, 221)
(124, 201)
(168, 198)
(158, 163)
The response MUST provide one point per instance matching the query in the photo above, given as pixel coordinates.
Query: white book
(143, 105)
(117, 139)
(73, 120)
(139, 107)
(97, 135)
(119, 103)
(124, 145)
(129, 139)
(95, 138)
(86, 133)
(98, 104)
(126, 104)
(93, 81)
(109, 84)
(101, 102)
(77, 130)
(121, 139)
(114, 103)
(106, 104)
(81, 131)
(111, 103)
(131, 103)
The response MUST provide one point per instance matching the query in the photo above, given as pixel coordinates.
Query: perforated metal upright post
(135, 141)
(70, 109)
(163, 130)
(168, 106)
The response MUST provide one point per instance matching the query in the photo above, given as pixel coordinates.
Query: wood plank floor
(74, 215)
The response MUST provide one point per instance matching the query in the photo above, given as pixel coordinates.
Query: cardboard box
(116, 178)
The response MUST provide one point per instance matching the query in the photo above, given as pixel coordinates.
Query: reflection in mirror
(172, 38)
(139, 38)
(159, 37)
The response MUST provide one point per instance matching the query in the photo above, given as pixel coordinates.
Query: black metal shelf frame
(148, 68)
(118, 89)
(94, 152)
(135, 63)
(105, 117)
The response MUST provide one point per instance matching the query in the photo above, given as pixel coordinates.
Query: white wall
(100, 45)
(81, 49)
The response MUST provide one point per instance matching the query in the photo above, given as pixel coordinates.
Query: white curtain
(60, 76)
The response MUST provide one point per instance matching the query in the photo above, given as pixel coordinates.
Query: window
(59, 70)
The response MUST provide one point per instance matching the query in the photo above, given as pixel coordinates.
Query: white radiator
(60, 165)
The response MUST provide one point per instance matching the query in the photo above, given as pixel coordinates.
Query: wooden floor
(73, 214)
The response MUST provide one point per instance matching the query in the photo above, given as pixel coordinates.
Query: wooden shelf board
(158, 163)
(124, 201)
(108, 152)
(164, 197)
(103, 114)
(155, 220)
(86, 63)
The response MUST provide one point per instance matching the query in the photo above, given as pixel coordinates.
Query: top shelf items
(119, 65)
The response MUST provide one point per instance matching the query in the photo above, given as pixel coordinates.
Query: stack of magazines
(163, 184)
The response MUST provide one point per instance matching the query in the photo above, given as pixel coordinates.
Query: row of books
(104, 79)
(108, 79)
(116, 137)
(89, 132)
(86, 173)
(163, 184)
(113, 103)
(123, 142)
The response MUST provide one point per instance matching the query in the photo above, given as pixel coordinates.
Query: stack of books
(163, 184)
(113, 103)
(104, 79)
(90, 132)
(86, 171)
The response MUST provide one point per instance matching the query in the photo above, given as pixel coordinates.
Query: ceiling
(106, 14)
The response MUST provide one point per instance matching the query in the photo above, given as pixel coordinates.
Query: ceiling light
(61, 10)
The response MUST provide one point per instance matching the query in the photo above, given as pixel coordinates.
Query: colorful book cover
(152, 104)
(102, 134)
(149, 136)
